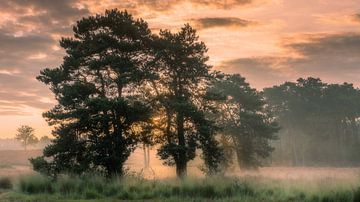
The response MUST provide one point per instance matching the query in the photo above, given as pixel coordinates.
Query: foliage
(99, 115)
(178, 97)
(248, 127)
(5, 183)
(320, 122)
(35, 188)
(26, 135)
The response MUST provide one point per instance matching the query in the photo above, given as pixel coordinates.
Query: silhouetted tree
(179, 99)
(320, 122)
(99, 113)
(247, 124)
(25, 134)
(294, 104)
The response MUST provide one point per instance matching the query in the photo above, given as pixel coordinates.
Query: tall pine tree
(248, 126)
(179, 97)
(99, 114)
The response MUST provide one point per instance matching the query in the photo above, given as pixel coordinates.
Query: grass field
(250, 188)
(19, 183)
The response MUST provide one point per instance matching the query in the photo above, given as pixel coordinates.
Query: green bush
(5, 183)
(36, 185)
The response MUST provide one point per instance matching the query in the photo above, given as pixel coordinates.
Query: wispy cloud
(30, 30)
(356, 17)
(210, 22)
(333, 57)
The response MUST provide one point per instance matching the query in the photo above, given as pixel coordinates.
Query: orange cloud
(274, 50)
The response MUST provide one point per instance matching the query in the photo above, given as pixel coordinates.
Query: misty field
(19, 183)
(246, 188)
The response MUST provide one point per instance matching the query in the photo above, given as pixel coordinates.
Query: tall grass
(214, 188)
(131, 188)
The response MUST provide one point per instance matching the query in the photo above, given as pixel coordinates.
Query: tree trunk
(239, 158)
(293, 148)
(181, 164)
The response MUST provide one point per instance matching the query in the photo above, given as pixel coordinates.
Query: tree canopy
(179, 98)
(99, 113)
(320, 122)
(248, 126)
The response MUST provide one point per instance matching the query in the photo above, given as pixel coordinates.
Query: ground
(285, 180)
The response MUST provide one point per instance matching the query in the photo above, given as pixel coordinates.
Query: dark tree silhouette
(179, 100)
(320, 122)
(99, 113)
(248, 127)
(26, 135)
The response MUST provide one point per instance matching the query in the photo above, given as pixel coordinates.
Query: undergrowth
(38, 188)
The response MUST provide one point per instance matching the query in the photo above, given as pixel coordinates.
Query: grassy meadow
(19, 183)
(135, 187)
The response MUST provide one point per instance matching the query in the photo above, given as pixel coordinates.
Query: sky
(266, 41)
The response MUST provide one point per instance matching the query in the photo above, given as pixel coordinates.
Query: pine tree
(180, 102)
(247, 124)
(99, 114)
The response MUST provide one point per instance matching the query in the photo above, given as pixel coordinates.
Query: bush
(36, 185)
(5, 183)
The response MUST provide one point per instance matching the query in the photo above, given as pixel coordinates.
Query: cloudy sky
(267, 41)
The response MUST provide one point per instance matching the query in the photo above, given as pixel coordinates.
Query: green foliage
(26, 135)
(248, 126)
(36, 185)
(320, 122)
(5, 183)
(99, 115)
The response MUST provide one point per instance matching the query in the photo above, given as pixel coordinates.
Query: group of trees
(248, 127)
(121, 86)
(320, 123)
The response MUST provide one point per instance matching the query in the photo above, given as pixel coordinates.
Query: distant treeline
(320, 123)
(10, 144)
(14, 144)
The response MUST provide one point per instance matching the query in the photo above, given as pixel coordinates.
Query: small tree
(26, 136)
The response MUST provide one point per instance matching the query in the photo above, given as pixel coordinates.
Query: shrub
(5, 183)
(36, 185)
